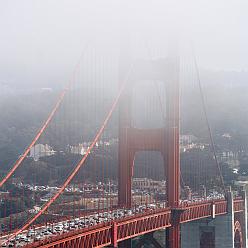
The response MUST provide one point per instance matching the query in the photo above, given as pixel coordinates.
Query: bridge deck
(113, 232)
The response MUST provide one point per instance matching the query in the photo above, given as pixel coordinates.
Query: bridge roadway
(110, 233)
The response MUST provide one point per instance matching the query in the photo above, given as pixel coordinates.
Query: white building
(186, 139)
(148, 184)
(79, 149)
(38, 151)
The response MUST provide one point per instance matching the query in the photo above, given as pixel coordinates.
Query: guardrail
(125, 228)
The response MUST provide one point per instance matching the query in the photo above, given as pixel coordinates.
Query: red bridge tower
(165, 140)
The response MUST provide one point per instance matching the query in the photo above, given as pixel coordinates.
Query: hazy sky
(41, 40)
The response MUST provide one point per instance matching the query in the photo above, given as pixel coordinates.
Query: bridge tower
(165, 139)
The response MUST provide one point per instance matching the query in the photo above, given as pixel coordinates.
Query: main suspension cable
(44, 126)
(208, 123)
(79, 165)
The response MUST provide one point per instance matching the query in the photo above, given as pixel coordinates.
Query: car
(46, 233)
(27, 240)
(22, 238)
(153, 206)
(12, 241)
(37, 238)
(17, 238)
(129, 212)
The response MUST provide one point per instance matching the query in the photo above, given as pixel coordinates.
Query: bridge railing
(126, 227)
(195, 211)
(138, 224)
(143, 223)
(99, 235)
(238, 205)
(220, 207)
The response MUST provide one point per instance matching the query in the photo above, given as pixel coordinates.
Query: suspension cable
(80, 163)
(45, 125)
(207, 122)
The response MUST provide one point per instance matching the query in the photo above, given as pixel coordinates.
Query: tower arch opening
(148, 104)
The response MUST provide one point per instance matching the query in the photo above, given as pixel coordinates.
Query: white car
(37, 238)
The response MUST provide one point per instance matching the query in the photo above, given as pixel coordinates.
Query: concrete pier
(217, 232)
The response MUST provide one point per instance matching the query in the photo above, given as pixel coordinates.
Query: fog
(41, 40)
